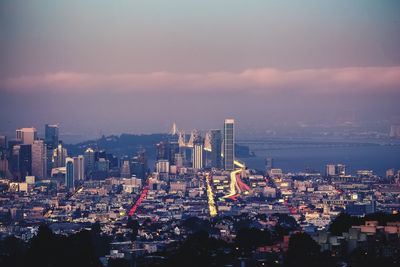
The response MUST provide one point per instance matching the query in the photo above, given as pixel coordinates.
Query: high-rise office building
(100, 154)
(335, 170)
(14, 161)
(59, 155)
(51, 141)
(137, 168)
(162, 151)
(162, 166)
(173, 147)
(139, 165)
(79, 168)
(3, 156)
(216, 143)
(102, 165)
(26, 135)
(269, 164)
(125, 169)
(340, 169)
(39, 159)
(229, 144)
(179, 160)
(330, 170)
(69, 173)
(3, 164)
(114, 162)
(197, 155)
(49, 161)
(25, 161)
(90, 159)
(51, 136)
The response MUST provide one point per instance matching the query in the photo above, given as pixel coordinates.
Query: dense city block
(196, 204)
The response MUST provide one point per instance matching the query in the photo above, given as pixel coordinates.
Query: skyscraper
(335, 170)
(3, 164)
(269, 164)
(102, 165)
(162, 166)
(330, 170)
(229, 144)
(79, 168)
(139, 165)
(51, 135)
(25, 161)
(26, 135)
(51, 141)
(340, 169)
(59, 156)
(39, 159)
(216, 142)
(173, 148)
(197, 155)
(14, 161)
(125, 169)
(89, 161)
(69, 174)
(3, 156)
(179, 160)
(137, 168)
(162, 151)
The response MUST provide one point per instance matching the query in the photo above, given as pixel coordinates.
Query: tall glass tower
(229, 144)
(51, 142)
(69, 174)
(197, 155)
(216, 142)
(51, 136)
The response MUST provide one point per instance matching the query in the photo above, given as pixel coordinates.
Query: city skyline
(284, 148)
(149, 195)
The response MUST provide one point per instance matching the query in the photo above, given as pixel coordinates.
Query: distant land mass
(130, 144)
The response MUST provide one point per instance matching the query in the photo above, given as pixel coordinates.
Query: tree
(248, 239)
(11, 250)
(302, 251)
(287, 221)
(342, 223)
(194, 224)
(96, 228)
(118, 263)
(199, 249)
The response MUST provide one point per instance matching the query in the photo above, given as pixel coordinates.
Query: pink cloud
(261, 80)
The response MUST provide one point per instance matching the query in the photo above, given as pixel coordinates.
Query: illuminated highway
(211, 203)
(232, 187)
(236, 185)
(139, 200)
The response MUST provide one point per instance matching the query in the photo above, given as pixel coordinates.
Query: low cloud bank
(260, 81)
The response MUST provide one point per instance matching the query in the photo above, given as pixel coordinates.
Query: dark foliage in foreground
(201, 248)
(48, 249)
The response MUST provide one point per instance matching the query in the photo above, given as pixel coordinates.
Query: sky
(101, 67)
